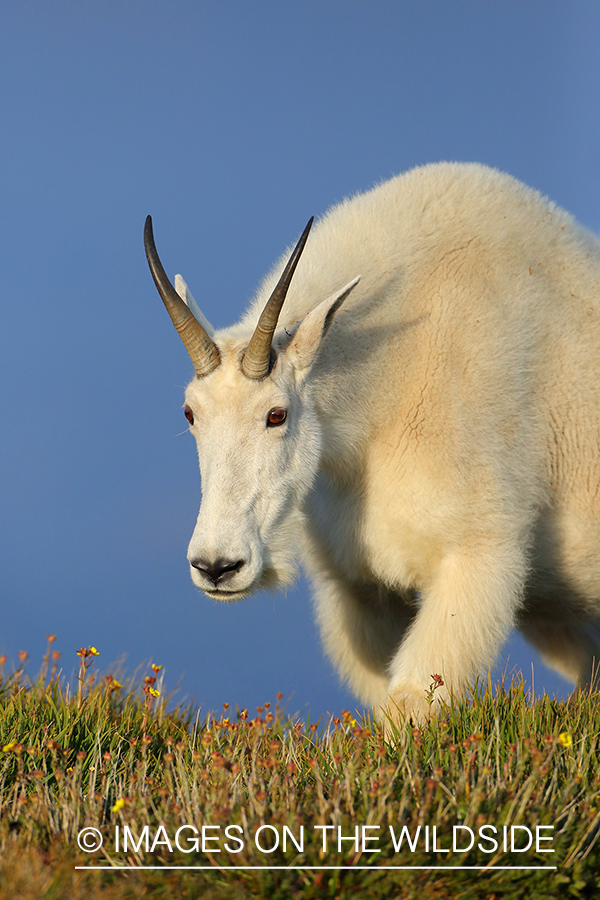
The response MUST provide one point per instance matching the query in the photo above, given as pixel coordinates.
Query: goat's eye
(276, 416)
(188, 414)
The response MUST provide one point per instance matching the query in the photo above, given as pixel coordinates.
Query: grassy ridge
(110, 757)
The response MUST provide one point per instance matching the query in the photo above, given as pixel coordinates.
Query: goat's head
(251, 411)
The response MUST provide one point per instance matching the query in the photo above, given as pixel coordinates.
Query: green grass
(99, 756)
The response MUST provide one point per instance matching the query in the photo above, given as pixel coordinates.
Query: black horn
(256, 361)
(202, 349)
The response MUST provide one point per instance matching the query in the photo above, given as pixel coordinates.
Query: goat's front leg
(361, 625)
(465, 616)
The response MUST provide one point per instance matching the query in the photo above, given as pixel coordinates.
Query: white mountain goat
(427, 439)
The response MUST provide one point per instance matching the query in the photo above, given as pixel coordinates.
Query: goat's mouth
(266, 580)
(228, 596)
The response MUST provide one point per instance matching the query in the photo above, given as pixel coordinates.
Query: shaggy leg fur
(361, 628)
(466, 615)
(570, 647)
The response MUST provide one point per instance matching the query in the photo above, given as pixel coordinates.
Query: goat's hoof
(406, 703)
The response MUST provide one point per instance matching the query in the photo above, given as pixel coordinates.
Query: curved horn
(202, 349)
(255, 363)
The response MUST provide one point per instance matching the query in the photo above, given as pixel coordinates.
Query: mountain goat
(426, 438)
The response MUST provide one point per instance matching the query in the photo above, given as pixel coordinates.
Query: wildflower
(156, 668)
(22, 654)
(436, 682)
(565, 739)
(50, 638)
(12, 746)
(119, 804)
(153, 692)
(93, 651)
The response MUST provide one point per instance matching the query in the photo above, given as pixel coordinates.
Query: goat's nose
(220, 570)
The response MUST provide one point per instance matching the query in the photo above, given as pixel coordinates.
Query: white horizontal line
(318, 868)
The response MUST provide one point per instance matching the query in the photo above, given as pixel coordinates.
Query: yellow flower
(565, 739)
(154, 692)
(8, 747)
(119, 805)
(94, 652)
(156, 668)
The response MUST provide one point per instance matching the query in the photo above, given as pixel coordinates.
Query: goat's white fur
(440, 464)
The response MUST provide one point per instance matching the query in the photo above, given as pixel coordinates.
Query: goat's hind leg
(570, 646)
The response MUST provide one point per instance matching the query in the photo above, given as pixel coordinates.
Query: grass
(232, 789)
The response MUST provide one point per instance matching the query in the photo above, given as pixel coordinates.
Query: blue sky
(231, 123)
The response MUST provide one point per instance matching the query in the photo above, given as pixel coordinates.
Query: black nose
(218, 571)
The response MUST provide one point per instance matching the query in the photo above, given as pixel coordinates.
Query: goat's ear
(186, 295)
(309, 334)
